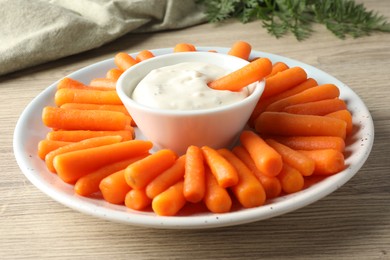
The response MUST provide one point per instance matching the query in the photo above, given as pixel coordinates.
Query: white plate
(30, 130)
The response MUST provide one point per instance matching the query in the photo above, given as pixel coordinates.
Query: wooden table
(351, 223)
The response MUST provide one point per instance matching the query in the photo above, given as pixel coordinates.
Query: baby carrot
(194, 180)
(249, 191)
(124, 61)
(141, 173)
(169, 202)
(74, 119)
(46, 146)
(320, 107)
(72, 83)
(73, 165)
(283, 81)
(271, 185)
(281, 123)
(344, 115)
(78, 135)
(114, 74)
(167, 178)
(89, 183)
(312, 142)
(299, 161)
(267, 160)
(216, 198)
(144, 55)
(137, 199)
(291, 179)
(326, 91)
(84, 106)
(70, 95)
(69, 83)
(264, 102)
(241, 50)
(278, 67)
(183, 47)
(103, 83)
(250, 73)
(88, 143)
(114, 187)
(225, 174)
(327, 161)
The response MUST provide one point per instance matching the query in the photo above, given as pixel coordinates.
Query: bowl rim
(121, 86)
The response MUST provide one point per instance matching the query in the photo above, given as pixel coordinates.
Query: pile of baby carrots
(298, 137)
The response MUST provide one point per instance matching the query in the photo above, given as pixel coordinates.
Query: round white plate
(30, 130)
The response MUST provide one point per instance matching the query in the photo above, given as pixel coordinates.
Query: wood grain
(351, 223)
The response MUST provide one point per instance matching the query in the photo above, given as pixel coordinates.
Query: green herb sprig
(342, 17)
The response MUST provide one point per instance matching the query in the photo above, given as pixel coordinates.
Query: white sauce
(184, 87)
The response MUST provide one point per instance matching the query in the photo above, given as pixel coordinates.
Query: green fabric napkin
(37, 31)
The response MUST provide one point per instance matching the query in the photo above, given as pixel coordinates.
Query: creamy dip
(184, 87)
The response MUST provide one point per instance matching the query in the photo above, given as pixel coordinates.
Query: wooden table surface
(351, 223)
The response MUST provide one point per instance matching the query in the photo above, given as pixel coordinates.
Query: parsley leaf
(279, 17)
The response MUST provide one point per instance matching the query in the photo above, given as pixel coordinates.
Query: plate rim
(283, 205)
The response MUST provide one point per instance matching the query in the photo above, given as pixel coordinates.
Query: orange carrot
(299, 161)
(78, 135)
(326, 91)
(344, 115)
(250, 73)
(137, 199)
(141, 173)
(281, 123)
(291, 179)
(167, 178)
(114, 187)
(89, 183)
(216, 198)
(183, 47)
(74, 119)
(73, 165)
(283, 81)
(312, 142)
(144, 55)
(194, 180)
(114, 74)
(267, 160)
(320, 108)
(103, 83)
(88, 143)
(278, 67)
(327, 161)
(124, 61)
(222, 170)
(265, 102)
(169, 202)
(46, 146)
(241, 50)
(271, 185)
(249, 191)
(84, 106)
(72, 83)
(70, 95)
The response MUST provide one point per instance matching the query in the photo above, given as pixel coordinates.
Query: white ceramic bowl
(177, 129)
(29, 130)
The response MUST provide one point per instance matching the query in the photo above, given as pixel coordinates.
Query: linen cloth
(36, 31)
